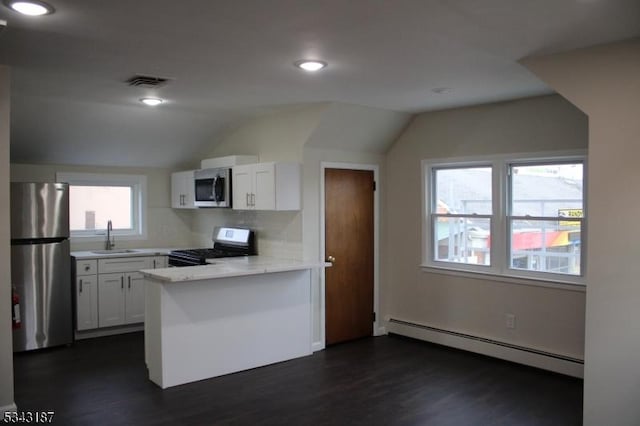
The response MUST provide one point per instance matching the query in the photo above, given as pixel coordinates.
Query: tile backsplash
(279, 233)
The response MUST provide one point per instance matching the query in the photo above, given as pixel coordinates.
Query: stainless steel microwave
(213, 187)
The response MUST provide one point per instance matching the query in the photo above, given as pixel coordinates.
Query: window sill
(511, 279)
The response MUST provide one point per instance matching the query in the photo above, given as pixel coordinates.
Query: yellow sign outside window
(568, 213)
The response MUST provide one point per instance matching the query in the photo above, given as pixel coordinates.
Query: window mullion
(498, 247)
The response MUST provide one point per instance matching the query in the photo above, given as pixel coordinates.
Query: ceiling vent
(147, 81)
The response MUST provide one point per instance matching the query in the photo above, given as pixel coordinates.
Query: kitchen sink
(113, 251)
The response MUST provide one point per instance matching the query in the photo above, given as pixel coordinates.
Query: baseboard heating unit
(520, 354)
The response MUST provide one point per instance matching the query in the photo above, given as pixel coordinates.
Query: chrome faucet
(109, 244)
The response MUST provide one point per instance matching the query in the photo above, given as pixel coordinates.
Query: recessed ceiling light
(152, 101)
(309, 65)
(442, 90)
(30, 7)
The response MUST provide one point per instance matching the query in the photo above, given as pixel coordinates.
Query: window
(94, 199)
(514, 216)
(461, 214)
(546, 217)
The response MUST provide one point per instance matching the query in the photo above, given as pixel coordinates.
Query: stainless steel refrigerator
(41, 265)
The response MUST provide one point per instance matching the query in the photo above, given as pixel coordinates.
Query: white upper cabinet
(267, 186)
(242, 187)
(182, 190)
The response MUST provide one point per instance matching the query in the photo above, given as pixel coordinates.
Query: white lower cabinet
(87, 302)
(160, 262)
(120, 299)
(110, 291)
(110, 300)
(134, 298)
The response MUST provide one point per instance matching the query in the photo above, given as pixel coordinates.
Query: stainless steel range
(227, 242)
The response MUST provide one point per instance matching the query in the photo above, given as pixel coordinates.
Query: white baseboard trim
(317, 346)
(90, 334)
(532, 357)
(10, 407)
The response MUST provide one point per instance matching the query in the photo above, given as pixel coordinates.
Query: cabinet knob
(331, 259)
(87, 267)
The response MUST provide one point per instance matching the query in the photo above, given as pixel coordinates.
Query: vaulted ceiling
(228, 61)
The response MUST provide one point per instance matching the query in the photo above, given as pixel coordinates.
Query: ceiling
(231, 60)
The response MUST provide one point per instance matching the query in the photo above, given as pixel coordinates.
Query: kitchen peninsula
(231, 315)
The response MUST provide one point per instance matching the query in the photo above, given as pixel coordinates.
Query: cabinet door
(264, 194)
(177, 191)
(134, 298)
(182, 190)
(189, 190)
(86, 302)
(159, 262)
(242, 184)
(110, 300)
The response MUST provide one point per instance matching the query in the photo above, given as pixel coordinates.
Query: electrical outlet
(510, 320)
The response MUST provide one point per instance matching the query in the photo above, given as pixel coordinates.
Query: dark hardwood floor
(375, 381)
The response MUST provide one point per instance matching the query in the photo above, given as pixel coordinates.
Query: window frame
(138, 185)
(500, 249)
(432, 169)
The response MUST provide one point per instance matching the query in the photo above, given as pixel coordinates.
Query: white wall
(604, 82)
(356, 128)
(548, 319)
(278, 136)
(309, 135)
(166, 227)
(6, 348)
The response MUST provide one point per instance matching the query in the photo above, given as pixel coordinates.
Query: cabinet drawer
(124, 264)
(86, 267)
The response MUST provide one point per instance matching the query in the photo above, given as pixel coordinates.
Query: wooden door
(349, 240)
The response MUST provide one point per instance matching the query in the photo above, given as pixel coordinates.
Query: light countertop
(231, 267)
(83, 255)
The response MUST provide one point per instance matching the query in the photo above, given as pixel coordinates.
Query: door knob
(331, 259)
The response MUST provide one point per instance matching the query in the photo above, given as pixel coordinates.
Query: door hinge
(374, 316)
(374, 185)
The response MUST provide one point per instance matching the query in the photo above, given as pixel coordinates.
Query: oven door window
(204, 189)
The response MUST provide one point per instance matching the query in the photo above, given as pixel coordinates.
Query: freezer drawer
(41, 275)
